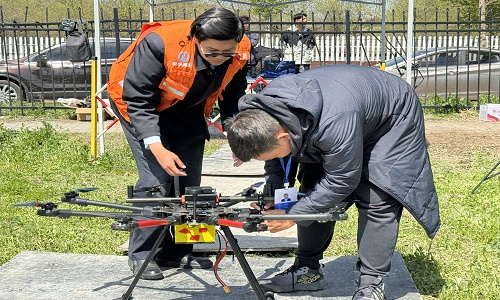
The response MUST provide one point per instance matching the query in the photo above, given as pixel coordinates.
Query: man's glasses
(215, 54)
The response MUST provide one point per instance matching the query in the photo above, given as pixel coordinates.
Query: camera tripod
(199, 205)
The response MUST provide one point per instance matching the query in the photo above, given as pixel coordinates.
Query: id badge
(284, 198)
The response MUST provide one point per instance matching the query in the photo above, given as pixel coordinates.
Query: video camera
(67, 25)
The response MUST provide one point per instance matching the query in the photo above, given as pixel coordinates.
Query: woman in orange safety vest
(162, 88)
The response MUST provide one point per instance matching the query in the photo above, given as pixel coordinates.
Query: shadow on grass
(424, 270)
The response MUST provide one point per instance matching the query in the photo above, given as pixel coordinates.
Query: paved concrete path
(59, 276)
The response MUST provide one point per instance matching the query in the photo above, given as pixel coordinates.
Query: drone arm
(86, 202)
(73, 213)
(331, 216)
(230, 223)
(237, 199)
(226, 199)
(250, 225)
(158, 222)
(155, 200)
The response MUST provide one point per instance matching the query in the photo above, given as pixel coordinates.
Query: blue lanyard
(287, 169)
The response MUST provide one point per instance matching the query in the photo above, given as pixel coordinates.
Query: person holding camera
(298, 43)
(162, 88)
(358, 136)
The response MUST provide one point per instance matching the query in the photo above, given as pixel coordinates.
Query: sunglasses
(215, 54)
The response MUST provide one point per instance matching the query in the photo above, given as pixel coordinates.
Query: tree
(473, 10)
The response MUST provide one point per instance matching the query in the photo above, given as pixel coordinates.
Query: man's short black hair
(252, 132)
(245, 19)
(299, 16)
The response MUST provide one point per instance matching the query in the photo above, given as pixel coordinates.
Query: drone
(198, 207)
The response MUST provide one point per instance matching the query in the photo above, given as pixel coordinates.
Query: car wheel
(10, 91)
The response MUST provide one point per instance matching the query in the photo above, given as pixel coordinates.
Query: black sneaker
(372, 291)
(295, 278)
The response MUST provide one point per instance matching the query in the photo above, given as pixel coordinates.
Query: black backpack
(77, 44)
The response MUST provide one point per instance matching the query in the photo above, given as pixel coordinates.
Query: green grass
(39, 165)
(37, 110)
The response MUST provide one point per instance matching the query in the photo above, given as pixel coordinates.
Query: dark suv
(49, 75)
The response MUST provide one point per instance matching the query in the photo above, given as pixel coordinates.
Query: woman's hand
(168, 160)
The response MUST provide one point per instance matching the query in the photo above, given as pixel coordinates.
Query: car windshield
(55, 53)
(59, 53)
(399, 59)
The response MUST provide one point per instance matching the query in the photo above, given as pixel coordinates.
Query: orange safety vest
(179, 63)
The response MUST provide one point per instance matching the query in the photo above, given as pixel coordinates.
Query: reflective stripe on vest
(177, 92)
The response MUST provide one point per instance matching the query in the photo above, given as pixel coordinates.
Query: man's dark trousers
(378, 226)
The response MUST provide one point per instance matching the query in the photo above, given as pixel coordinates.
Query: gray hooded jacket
(356, 121)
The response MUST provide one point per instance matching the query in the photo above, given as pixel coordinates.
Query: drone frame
(199, 205)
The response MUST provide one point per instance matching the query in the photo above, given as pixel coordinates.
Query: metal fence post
(348, 36)
(117, 29)
(93, 109)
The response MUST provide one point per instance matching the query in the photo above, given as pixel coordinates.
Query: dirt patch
(454, 140)
(450, 139)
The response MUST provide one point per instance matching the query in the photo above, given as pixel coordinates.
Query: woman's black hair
(218, 24)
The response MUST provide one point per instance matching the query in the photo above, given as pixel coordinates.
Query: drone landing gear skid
(261, 295)
(128, 293)
(246, 268)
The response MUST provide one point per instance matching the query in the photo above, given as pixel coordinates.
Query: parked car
(465, 72)
(48, 74)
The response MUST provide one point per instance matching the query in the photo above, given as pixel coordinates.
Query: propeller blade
(82, 190)
(85, 190)
(29, 204)
(257, 184)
